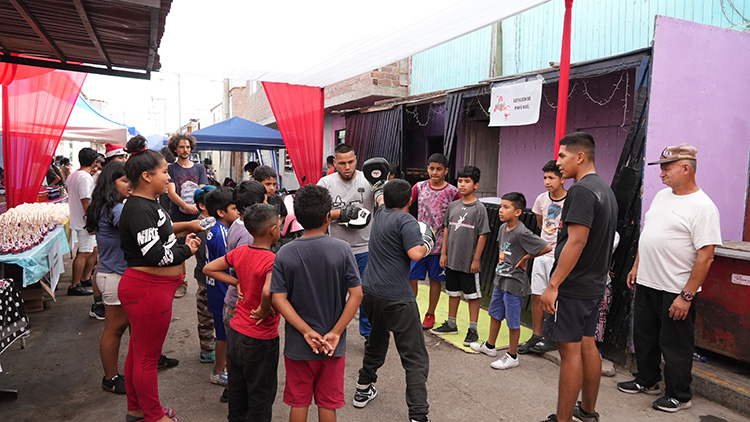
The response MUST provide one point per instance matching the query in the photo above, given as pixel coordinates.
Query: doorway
(482, 151)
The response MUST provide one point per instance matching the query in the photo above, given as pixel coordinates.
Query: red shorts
(323, 377)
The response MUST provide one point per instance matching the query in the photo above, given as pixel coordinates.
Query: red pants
(147, 299)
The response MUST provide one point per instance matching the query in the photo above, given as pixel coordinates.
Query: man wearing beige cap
(675, 251)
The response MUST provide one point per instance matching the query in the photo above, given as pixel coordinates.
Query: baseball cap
(676, 153)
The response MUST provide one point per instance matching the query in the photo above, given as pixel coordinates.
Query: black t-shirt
(393, 233)
(147, 236)
(590, 202)
(278, 202)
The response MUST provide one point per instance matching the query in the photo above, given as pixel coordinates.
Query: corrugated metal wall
(604, 28)
(463, 61)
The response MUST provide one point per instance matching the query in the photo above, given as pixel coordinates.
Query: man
(675, 251)
(347, 185)
(579, 274)
(330, 167)
(80, 186)
(184, 178)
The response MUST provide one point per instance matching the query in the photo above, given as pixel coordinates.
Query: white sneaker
(482, 347)
(505, 362)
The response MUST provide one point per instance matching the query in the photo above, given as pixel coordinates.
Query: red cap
(114, 149)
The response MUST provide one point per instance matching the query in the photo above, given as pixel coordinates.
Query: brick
(385, 82)
(391, 76)
(386, 69)
(378, 75)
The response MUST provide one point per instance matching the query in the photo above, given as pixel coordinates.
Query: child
(205, 318)
(267, 176)
(548, 209)
(432, 197)
(220, 206)
(253, 344)
(311, 278)
(517, 245)
(464, 236)
(389, 301)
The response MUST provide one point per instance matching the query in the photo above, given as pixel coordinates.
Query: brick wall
(253, 107)
(393, 75)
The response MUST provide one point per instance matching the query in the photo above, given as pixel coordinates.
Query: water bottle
(698, 357)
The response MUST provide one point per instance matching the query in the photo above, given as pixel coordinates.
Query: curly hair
(175, 140)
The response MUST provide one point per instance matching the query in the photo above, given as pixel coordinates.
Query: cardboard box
(33, 298)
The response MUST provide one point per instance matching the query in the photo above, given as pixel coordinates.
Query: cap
(201, 192)
(114, 149)
(679, 152)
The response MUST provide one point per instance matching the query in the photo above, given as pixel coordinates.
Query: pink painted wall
(338, 122)
(700, 94)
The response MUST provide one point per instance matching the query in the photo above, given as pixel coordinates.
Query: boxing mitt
(375, 170)
(428, 236)
(377, 191)
(354, 217)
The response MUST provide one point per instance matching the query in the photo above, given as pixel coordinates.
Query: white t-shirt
(80, 185)
(551, 212)
(358, 191)
(676, 226)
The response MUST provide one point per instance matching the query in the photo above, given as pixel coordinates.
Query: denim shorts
(505, 306)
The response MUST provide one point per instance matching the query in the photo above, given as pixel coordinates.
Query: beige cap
(680, 152)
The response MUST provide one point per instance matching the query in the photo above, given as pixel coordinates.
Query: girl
(153, 273)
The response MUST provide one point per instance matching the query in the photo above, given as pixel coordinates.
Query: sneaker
(167, 412)
(580, 416)
(97, 311)
(115, 385)
(424, 419)
(505, 362)
(219, 378)
(526, 346)
(180, 291)
(165, 362)
(208, 358)
(362, 396)
(551, 418)
(224, 396)
(544, 346)
(86, 283)
(482, 348)
(444, 329)
(79, 291)
(668, 404)
(633, 387)
(471, 337)
(429, 321)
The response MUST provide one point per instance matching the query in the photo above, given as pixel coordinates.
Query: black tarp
(376, 134)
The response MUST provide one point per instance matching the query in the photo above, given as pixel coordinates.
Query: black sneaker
(551, 418)
(544, 346)
(444, 329)
(581, 416)
(633, 387)
(97, 311)
(424, 419)
(86, 283)
(526, 346)
(668, 404)
(471, 337)
(224, 396)
(165, 362)
(79, 291)
(115, 385)
(364, 396)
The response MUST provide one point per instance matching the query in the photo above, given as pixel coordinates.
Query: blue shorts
(505, 306)
(221, 332)
(427, 265)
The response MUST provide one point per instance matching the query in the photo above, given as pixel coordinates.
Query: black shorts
(459, 281)
(575, 319)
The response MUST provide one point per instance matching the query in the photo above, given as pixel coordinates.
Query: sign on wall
(516, 104)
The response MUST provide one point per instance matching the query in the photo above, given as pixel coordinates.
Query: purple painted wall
(416, 136)
(700, 94)
(338, 122)
(525, 149)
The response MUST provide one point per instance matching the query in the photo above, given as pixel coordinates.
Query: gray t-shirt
(514, 245)
(315, 273)
(386, 276)
(357, 191)
(236, 236)
(465, 223)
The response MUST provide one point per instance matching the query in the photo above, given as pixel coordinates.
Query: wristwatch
(687, 296)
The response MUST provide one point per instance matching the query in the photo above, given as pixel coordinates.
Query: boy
(253, 346)
(311, 278)
(432, 197)
(548, 209)
(389, 301)
(267, 176)
(517, 245)
(220, 206)
(464, 236)
(205, 318)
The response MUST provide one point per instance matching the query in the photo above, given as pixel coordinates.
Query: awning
(237, 134)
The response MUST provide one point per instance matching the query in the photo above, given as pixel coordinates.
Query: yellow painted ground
(483, 325)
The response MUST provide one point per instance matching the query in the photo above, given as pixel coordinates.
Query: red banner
(562, 92)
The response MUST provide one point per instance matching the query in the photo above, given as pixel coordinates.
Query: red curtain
(37, 103)
(562, 92)
(299, 114)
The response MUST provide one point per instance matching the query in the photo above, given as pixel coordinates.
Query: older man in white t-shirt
(675, 252)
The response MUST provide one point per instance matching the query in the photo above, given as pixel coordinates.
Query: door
(482, 151)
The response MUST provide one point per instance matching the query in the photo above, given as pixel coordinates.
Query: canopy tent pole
(562, 92)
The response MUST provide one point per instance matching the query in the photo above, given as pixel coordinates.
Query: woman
(103, 217)
(153, 273)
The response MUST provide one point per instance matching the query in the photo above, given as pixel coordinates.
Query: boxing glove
(354, 217)
(375, 170)
(428, 236)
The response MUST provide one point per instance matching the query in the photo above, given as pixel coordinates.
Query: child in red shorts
(311, 278)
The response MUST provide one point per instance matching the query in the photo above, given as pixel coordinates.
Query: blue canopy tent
(156, 141)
